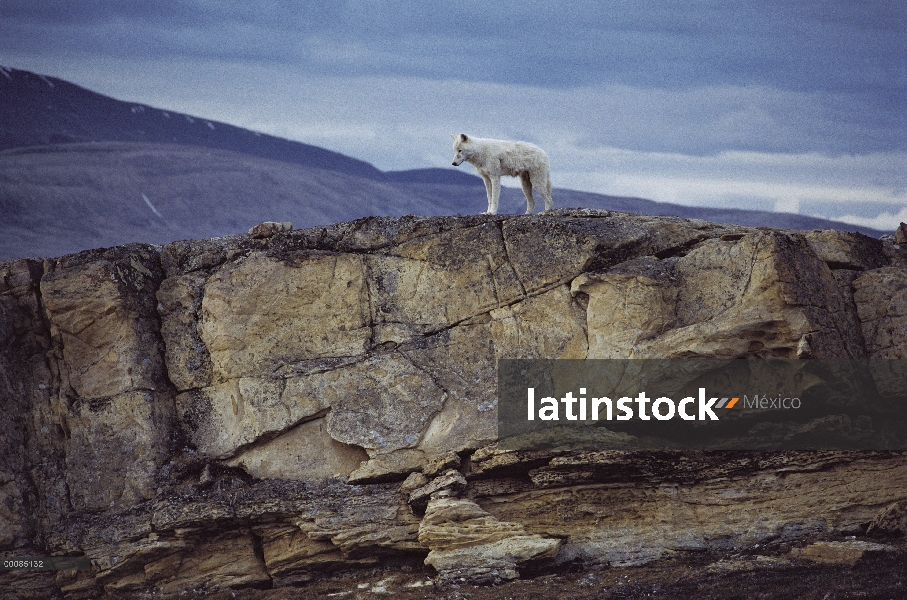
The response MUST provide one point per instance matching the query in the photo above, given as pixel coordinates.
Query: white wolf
(493, 158)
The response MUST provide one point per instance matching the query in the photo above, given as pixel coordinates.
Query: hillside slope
(40, 110)
(69, 197)
(80, 170)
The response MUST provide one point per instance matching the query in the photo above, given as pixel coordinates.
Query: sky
(794, 106)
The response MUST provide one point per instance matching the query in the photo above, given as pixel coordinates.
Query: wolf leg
(526, 182)
(494, 196)
(489, 190)
(542, 182)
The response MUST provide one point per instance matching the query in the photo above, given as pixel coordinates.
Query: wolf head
(460, 147)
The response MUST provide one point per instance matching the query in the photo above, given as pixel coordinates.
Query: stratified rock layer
(258, 411)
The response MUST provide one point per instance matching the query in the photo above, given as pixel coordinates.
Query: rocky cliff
(249, 413)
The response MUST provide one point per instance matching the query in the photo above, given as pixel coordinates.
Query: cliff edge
(240, 413)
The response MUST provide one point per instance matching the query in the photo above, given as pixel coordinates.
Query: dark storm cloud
(849, 57)
(760, 102)
(100, 30)
(793, 46)
(841, 46)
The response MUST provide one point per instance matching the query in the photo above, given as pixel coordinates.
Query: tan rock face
(398, 399)
(269, 228)
(839, 553)
(467, 542)
(260, 314)
(892, 521)
(758, 295)
(102, 311)
(255, 411)
(224, 561)
(900, 234)
(432, 282)
(225, 417)
(304, 453)
(625, 309)
(122, 434)
(114, 399)
(748, 499)
(881, 299)
(846, 250)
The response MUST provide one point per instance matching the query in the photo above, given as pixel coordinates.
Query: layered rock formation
(259, 411)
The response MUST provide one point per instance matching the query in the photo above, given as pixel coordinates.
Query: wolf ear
(454, 136)
(463, 137)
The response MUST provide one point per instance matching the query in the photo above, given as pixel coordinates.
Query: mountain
(69, 197)
(40, 110)
(81, 170)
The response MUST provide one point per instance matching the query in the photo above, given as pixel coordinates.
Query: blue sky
(797, 106)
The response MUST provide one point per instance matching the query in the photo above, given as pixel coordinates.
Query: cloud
(885, 221)
(775, 104)
(607, 139)
(696, 121)
(781, 182)
(804, 46)
(701, 121)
